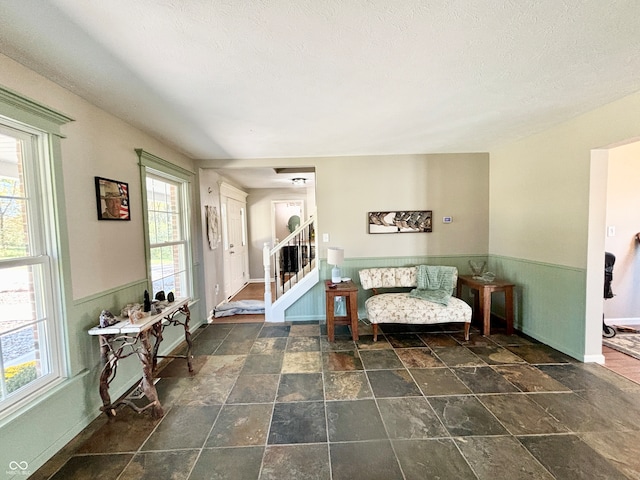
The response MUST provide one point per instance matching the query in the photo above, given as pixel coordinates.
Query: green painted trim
(428, 259)
(535, 262)
(145, 222)
(111, 291)
(31, 113)
(35, 116)
(150, 160)
(61, 265)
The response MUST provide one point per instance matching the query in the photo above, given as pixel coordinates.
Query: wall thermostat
(447, 219)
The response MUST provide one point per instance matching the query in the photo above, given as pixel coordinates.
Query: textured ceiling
(301, 78)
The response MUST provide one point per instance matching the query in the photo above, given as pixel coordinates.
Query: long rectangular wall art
(406, 221)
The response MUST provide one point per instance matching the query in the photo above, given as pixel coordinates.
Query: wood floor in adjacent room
(623, 364)
(251, 291)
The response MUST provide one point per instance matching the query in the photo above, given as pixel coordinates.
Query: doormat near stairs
(239, 307)
(628, 343)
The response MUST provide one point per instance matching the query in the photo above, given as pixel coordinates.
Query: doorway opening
(613, 227)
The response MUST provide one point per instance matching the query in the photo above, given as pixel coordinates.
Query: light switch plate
(325, 237)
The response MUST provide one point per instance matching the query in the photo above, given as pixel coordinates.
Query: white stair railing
(290, 270)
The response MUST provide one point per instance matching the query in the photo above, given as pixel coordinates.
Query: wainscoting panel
(549, 301)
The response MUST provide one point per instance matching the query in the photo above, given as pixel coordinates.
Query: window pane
(168, 270)
(14, 238)
(164, 212)
(19, 302)
(162, 227)
(21, 358)
(14, 234)
(173, 221)
(153, 233)
(23, 338)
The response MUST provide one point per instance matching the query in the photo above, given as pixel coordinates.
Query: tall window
(29, 346)
(168, 236)
(168, 216)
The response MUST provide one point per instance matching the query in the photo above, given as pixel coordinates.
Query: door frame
(228, 191)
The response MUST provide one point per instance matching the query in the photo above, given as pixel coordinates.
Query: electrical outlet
(325, 237)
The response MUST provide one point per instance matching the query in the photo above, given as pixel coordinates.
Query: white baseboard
(622, 321)
(593, 359)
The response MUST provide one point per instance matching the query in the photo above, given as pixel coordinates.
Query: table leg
(157, 333)
(187, 336)
(109, 361)
(330, 318)
(353, 315)
(508, 305)
(485, 301)
(477, 305)
(145, 354)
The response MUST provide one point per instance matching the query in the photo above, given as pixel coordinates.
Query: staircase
(291, 267)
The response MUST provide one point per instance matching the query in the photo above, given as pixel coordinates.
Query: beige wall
(212, 259)
(347, 188)
(548, 193)
(623, 214)
(259, 215)
(104, 255)
(540, 185)
(453, 185)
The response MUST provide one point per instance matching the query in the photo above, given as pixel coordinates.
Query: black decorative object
(170, 297)
(147, 302)
(160, 296)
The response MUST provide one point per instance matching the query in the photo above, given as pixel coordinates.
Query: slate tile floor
(281, 402)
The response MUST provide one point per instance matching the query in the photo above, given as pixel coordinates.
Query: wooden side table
(482, 301)
(342, 289)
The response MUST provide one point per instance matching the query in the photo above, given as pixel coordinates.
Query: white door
(236, 253)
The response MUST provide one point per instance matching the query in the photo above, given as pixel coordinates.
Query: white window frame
(39, 129)
(155, 167)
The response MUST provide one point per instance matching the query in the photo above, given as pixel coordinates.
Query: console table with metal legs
(143, 339)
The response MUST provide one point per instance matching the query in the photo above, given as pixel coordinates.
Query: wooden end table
(342, 289)
(482, 301)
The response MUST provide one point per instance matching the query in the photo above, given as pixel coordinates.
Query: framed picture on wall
(405, 221)
(112, 199)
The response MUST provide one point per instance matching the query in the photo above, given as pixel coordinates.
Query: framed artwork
(112, 199)
(405, 221)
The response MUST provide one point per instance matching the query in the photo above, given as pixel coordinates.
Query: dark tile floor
(281, 402)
